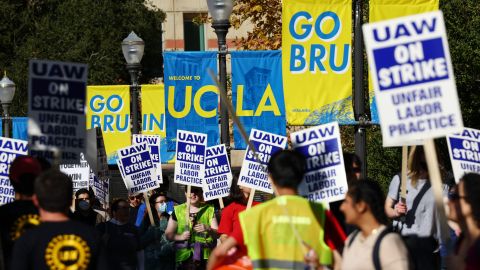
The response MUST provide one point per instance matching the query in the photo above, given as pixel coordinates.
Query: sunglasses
(453, 196)
(356, 169)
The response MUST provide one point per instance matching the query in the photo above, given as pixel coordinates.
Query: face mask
(162, 208)
(83, 205)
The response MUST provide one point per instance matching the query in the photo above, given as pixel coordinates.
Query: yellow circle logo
(22, 224)
(68, 252)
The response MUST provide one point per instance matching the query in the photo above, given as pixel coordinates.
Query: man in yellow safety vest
(288, 232)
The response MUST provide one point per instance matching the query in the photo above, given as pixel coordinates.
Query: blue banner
(191, 95)
(257, 92)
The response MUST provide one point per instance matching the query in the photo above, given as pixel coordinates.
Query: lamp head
(132, 47)
(7, 90)
(220, 9)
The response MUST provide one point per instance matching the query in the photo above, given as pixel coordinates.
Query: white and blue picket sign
(9, 150)
(325, 179)
(190, 158)
(254, 173)
(137, 168)
(413, 78)
(153, 142)
(56, 110)
(464, 149)
(218, 174)
(79, 173)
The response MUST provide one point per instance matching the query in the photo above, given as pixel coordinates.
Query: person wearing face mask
(159, 252)
(83, 208)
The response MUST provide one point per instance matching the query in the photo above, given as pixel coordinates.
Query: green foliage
(86, 31)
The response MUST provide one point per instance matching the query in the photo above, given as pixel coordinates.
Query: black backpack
(376, 247)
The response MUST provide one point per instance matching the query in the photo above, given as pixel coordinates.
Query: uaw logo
(22, 224)
(69, 252)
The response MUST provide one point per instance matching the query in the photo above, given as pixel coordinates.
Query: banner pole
(149, 209)
(436, 182)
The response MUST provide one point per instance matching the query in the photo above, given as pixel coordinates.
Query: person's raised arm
(171, 232)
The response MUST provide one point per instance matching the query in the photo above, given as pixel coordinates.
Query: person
(195, 239)
(159, 252)
(21, 214)
(58, 242)
(137, 209)
(363, 208)
(416, 219)
(83, 208)
(288, 231)
(465, 210)
(238, 202)
(353, 171)
(121, 239)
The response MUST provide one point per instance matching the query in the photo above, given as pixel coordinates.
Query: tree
(462, 18)
(78, 31)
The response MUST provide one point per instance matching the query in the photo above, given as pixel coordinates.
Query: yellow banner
(388, 9)
(109, 108)
(153, 117)
(316, 61)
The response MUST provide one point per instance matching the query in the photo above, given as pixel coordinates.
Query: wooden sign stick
(187, 214)
(403, 178)
(437, 186)
(220, 201)
(149, 209)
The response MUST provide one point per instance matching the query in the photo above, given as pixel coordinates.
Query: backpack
(376, 247)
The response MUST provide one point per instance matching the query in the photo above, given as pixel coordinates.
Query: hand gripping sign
(325, 179)
(153, 142)
(137, 168)
(413, 78)
(218, 175)
(9, 150)
(464, 149)
(190, 163)
(254, 168)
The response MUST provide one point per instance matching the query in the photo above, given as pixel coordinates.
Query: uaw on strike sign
(56, 110)
(254, 172)
(464, 149)
(190, 163)
(136, 167)
(413, 78)
(325, 179)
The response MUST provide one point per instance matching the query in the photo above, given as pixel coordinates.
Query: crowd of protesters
(366, 230)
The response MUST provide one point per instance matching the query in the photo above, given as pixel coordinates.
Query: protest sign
(56, 110)
(79, 173)
(190, 164)
(464, 149)
(218, 175)
(254, 168)
(137, 168)
(325, 179)
(9, 150)
(101, 189)
(153, 142)
(413, 78)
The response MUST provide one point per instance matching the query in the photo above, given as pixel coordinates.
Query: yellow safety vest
(206, 216)
(270, 239)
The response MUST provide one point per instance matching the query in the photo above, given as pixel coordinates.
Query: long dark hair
(471, 186)
(371, 193)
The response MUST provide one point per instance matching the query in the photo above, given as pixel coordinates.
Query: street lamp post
(133, 47)
(220, 11)
(7, 91)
